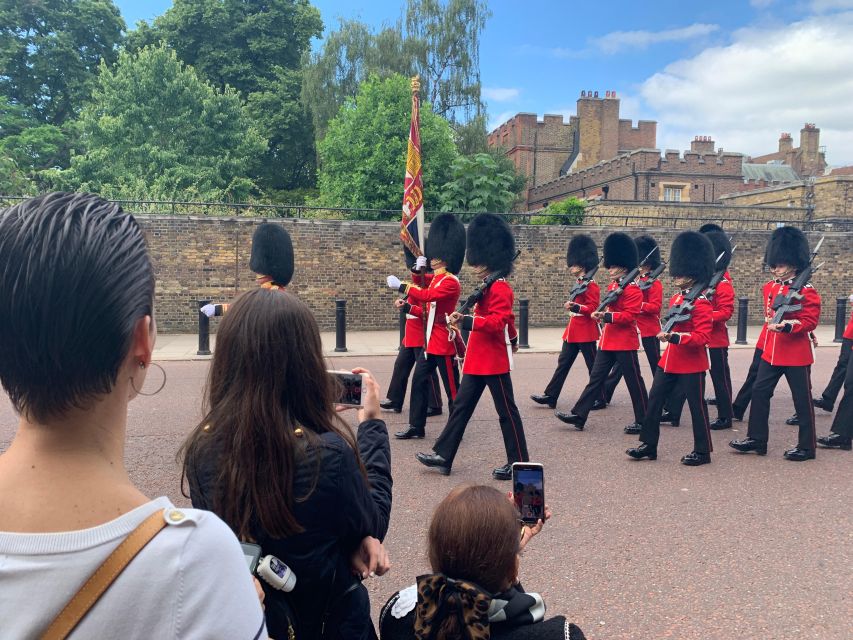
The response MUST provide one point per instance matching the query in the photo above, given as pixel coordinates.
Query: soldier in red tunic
(648, 322)
(488, 361)
(684, 362)
(412, 346)
(582, 331)
(723, 301)
(445, 249)
(271, 260)
(619, 339)
(841, 434)
(827, 399)
(787, 350)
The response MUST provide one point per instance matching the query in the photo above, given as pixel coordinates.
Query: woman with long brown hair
(274, 460)
(473, 592)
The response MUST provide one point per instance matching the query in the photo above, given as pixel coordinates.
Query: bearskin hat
(409, 256)
(645, 244)
(620, 251)
(710, 226)
(721, 243)
(788, 245)
(272, 253)
(692, 256)
(582, 252)
(490, 243)
(446, 241)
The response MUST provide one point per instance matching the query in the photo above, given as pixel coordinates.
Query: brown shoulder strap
(104, 576)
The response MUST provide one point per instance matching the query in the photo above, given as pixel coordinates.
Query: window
(672, 193)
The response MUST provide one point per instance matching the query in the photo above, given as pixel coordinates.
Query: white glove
(420, 263)
(209, 310)
(393, 282)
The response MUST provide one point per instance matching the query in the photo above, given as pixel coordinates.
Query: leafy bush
(565, 212)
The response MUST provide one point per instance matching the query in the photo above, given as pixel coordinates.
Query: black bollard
(523, 319)
(340, 325)
(402, 327)
(203, 330)
(840, 318)
(742, 316)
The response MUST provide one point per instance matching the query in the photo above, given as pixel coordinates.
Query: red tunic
(795, 349)
(620, 334)
(492, 329)
(414, 336)
(690, 354)
(581, 327)
(768, 295)
(723, 303)
(848, 332)
(439, 298)
(649, 319)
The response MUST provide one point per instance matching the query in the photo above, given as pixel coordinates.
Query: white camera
(276, 574)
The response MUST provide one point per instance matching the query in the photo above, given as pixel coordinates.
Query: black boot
(748, 444)
(543, 399)
(434, 412)
(835, 441)
(643, 451)
(721, 423)
(667, 418)
(799, 455)
(599, 404)
(409, 433)
(503, 473)
(820, 403)
(794, 420)
(434, 460)
(388, 405)
(711, 402)
(570, 418)
(694, 459)
(634, 428)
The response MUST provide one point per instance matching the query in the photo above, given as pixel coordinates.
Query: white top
(190, 581)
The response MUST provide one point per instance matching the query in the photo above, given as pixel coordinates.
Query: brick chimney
(786, 143)
(809, 149)
(702, 144)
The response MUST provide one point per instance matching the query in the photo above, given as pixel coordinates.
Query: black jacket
(340, 511)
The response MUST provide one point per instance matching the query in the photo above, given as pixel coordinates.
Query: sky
(740, 71)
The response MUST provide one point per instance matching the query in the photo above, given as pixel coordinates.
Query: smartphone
(252, 553)
(351, 387)
(528, 491)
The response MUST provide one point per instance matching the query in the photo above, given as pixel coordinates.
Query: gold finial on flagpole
(416, 84)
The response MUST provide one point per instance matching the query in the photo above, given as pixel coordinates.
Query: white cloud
(617, 41)
(496, 94)
(825, 6)
(768, 80)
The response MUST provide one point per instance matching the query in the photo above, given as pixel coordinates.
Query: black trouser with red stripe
(830, 394)
(842, 424)
(800, 382)
(604, 361)
(721, 378)
(744, 396)
(406, 359)
(419, 398)
(692, 387)
(651, 345)
(568, 354)
(500, 386)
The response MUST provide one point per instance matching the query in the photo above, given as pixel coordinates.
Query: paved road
(747, 547)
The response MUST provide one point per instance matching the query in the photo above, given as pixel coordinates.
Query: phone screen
(252, 553)
(528, 488)
(351, 386)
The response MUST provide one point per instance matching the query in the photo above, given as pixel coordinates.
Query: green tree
(437, 39)
(567, 212)
(154, 129)
(478, 183)
(256, 48)
(363, 156)
(13, 181)
(50, 52)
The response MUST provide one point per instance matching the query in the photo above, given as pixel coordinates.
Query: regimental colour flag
(412, 222)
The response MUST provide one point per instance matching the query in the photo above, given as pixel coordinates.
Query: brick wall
(198, 258)
(832, 197)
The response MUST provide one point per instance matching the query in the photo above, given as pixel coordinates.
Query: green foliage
(50, 52)
(13, 181)
(570, 212)
(478, 184)
(363, 156)
(155, 130)
(256, 48)
(437, 39)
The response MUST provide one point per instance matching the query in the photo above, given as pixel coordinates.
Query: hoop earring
(159, 389)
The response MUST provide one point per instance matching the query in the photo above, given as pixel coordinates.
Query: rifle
(628, 278)
(682, 312)
(580, 287)
(653, 275)
(783, 303)
(469, 303)
(717, 277)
